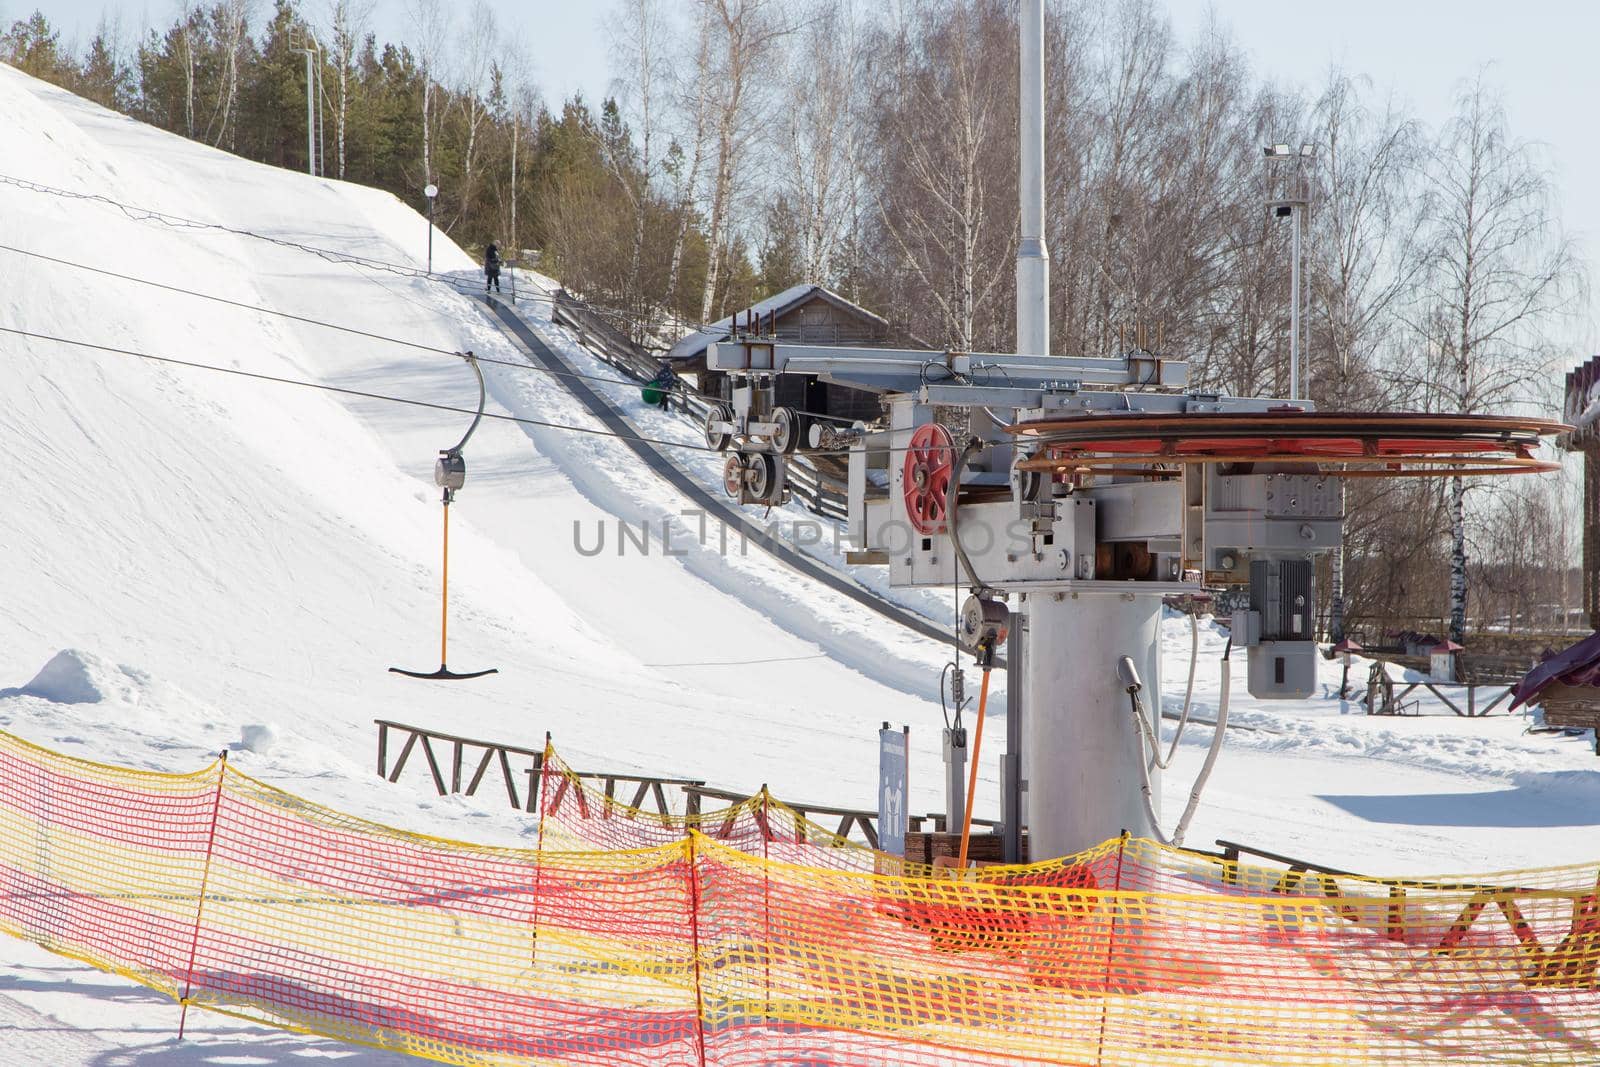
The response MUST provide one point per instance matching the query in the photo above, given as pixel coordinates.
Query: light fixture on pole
(430, 191)
(1292, 207)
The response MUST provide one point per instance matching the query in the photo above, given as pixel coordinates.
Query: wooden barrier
(648, 792)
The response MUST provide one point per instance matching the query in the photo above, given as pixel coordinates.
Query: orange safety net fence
(748, 937)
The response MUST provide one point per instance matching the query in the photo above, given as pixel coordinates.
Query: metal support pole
(1294, 303)
(430, 235)
(955, 777)
(311, 118)
(1011, 782)
(1033, 258)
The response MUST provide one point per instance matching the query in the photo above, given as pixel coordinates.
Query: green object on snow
(654, 394)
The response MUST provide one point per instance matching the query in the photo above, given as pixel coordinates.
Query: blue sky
(1541, 52)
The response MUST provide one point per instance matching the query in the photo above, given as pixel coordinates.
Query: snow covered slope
(223, 554)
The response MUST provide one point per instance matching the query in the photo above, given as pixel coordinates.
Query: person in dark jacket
(491, 269)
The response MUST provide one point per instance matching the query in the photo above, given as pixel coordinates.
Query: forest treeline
(747, 145)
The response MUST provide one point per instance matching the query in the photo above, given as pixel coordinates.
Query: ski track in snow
(239, 562)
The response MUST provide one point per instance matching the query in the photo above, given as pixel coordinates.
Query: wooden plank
(383, 748)
(511, 782)
(1458, 930)
(405, 753)
(1430, 687)
(561, 791)
(477, 776)
(433, 766)
(455, 767)
(1496, 701)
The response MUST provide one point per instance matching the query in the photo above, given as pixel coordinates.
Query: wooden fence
(453, 760)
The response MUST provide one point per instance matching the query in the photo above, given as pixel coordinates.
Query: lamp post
(1292, 207)
(430, 191)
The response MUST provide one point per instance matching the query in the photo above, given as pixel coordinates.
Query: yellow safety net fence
(751, 937)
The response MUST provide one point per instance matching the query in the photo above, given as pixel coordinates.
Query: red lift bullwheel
(930, 462)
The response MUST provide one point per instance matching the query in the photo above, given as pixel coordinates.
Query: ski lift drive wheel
(733, 475)
(930, 461)
(717, 438)
(786, 438)
(762, 476)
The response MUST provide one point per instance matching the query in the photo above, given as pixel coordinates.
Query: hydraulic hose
(1142, 733)
(1188, 701)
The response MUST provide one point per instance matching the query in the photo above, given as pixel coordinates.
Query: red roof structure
(1578, 666)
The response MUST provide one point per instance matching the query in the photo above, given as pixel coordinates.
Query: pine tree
(34, 47)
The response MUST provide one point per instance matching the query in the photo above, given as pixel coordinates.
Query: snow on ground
(234, 564)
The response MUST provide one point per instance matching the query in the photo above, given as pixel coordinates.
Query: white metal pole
(1033, 258)
(1294, 304)
(311, 121)
(322, 147)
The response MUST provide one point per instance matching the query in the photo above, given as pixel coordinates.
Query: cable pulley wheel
(717, 438)
(786, 436)
(733, 476)
(930, 462)
(761, 475)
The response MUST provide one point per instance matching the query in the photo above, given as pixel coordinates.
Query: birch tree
(818, 137)
(430, 27)
(685, 167)
(644, 37)
(476, 59)
(229, 18)
(1499, 274)
(744, 32)
(946, 145)
(1365, 259)
(346, 24)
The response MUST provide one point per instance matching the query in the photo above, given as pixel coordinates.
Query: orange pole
(444, 594)
(972, 774)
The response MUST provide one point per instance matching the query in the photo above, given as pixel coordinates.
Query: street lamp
(430, 191)
(1286, 208)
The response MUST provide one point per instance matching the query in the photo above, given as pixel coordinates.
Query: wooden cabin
(802, 314)
(1567, 684)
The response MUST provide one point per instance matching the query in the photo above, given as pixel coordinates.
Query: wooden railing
(493, 753)
(470, 761)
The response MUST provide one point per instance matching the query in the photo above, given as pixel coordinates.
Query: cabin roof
(778, 305)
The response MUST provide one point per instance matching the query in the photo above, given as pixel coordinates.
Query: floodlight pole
(1033, 257)
(1295, 211)
(1294, 206)
(311, 115)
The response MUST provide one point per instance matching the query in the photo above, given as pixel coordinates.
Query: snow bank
(76, 677)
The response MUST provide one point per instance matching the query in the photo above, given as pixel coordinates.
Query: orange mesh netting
(750, 937)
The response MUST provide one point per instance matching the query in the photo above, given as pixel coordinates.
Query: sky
(1539, 51)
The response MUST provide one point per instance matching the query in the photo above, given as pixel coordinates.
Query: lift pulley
(450, 474)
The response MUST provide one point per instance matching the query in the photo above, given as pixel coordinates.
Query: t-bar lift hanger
(450, 474)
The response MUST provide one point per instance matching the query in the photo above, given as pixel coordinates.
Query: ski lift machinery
(1080, 494)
